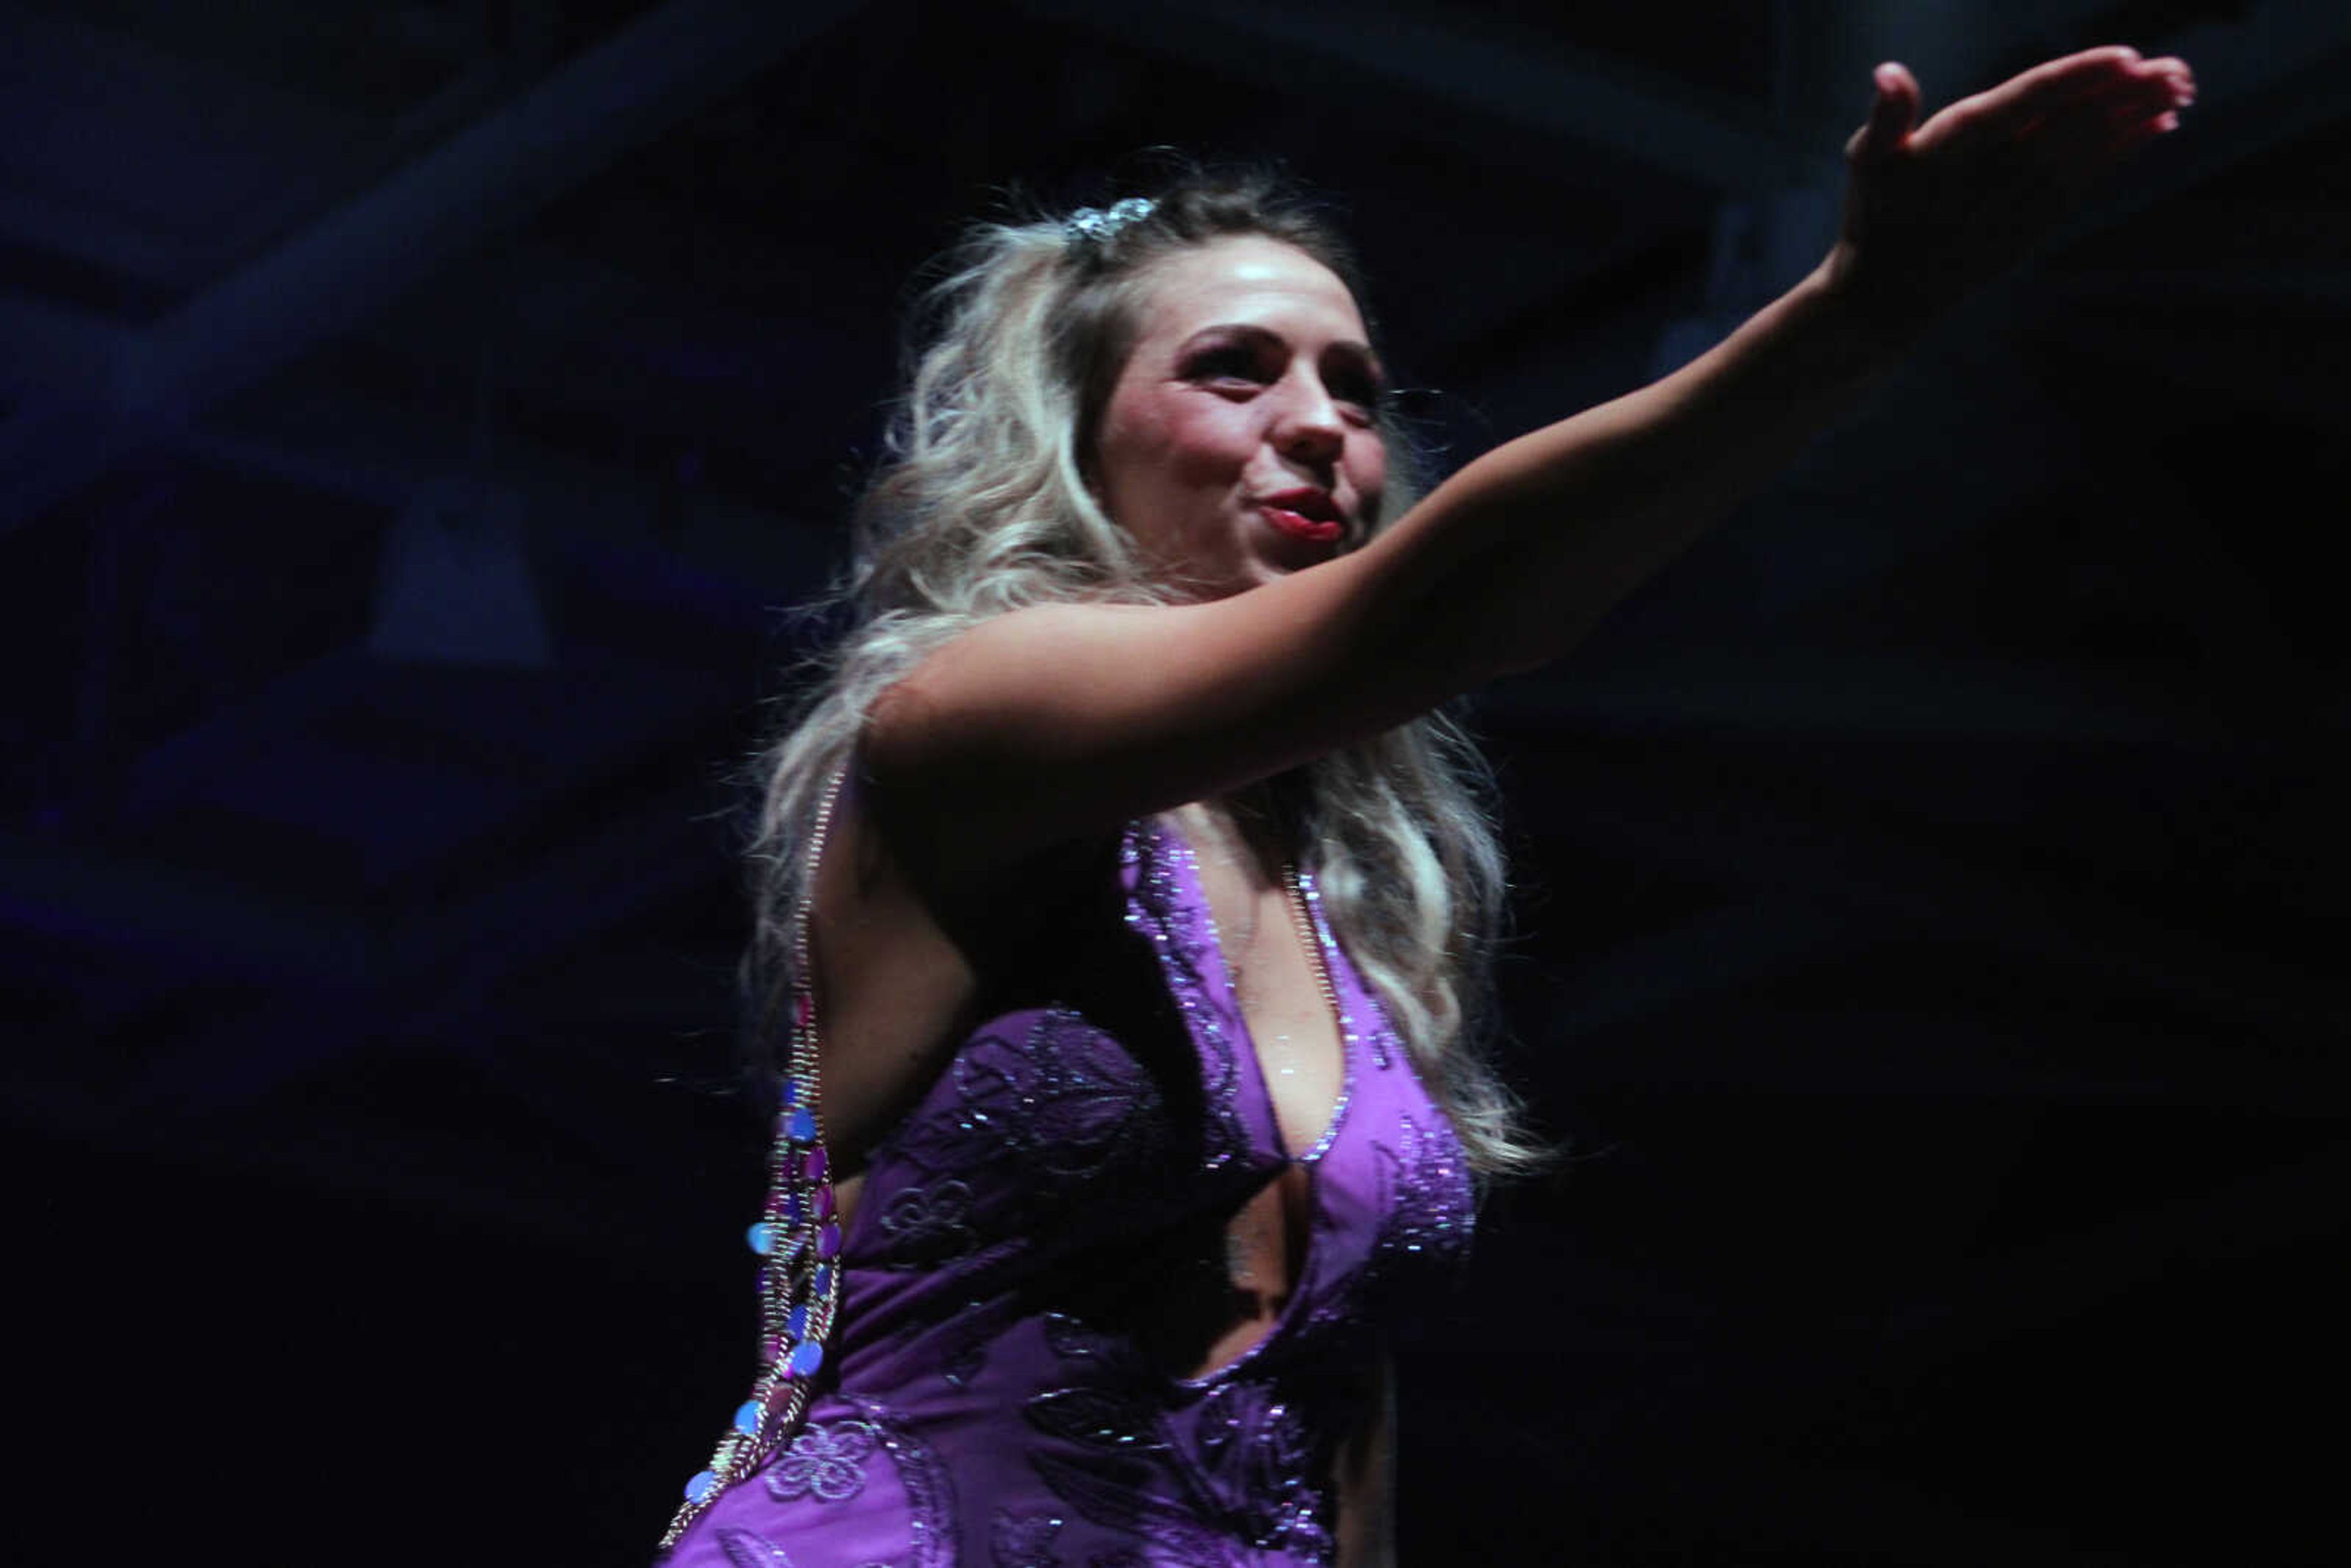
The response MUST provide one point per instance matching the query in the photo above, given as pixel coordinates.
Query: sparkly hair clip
(1092, 229)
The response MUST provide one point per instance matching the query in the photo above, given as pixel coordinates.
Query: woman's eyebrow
(1361, 355)
(1228, 330)
(1250, 332)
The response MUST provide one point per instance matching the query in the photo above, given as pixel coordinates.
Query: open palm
(1933, 211)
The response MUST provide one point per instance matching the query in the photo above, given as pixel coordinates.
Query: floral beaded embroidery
(927, 1224)
(1431, 1199)
(1257, 1459)
(750, 1548)
(1101, 1488)
(1065, 1098)
(930, 1492)
(1096, 1418)
(825, 1461)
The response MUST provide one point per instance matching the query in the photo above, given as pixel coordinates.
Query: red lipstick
(1305, 514)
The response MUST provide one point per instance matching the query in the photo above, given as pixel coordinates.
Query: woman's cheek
(1371, 475)
(1210, 458)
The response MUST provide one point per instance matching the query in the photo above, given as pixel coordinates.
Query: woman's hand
(1934, 211)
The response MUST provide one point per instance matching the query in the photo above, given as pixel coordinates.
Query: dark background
(416, 418)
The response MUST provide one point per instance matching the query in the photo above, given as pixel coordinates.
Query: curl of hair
(980, 506)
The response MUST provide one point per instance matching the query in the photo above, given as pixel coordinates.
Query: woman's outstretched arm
(1068, 719)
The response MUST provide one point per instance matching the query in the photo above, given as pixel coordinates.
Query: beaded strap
(799, 1285)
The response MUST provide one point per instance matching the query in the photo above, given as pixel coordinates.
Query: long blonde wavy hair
(980, 506)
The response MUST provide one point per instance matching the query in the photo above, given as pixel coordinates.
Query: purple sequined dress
(1003, 1389)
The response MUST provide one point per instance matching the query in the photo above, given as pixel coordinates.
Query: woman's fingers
(1891, 115)
(2077, 145)
(2070, 149)
(2148, 90)
(2005, 112)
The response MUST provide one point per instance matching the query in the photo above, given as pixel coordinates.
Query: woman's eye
(1226, 364)
(1360, 397)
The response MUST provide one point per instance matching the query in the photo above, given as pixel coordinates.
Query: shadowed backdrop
(415, 421)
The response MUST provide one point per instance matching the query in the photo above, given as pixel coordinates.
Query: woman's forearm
(1515, 558)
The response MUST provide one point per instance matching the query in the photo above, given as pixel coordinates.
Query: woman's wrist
(1862, 326)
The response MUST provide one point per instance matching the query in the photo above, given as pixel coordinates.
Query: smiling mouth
(1299, 526)
(1312, 517)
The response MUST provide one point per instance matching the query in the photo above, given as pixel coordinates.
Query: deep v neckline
(1319, 958)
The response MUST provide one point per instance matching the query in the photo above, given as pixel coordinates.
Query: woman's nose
(1310, 428)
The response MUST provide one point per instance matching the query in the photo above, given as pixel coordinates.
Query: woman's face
(1239, 442)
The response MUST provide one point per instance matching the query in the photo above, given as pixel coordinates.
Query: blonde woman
(1125, 896)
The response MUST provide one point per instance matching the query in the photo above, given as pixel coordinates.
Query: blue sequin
(800, 1126)
(823, 1280)
(796, 1323)
(807, 1356)
(699, 1487)
(746, 1417)
(760, 1237)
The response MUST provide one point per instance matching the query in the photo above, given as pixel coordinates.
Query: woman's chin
(1282, 553)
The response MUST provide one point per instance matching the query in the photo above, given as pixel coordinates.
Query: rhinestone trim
(1306, 907)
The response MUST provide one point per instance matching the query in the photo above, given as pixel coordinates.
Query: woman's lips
(1299, 526)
